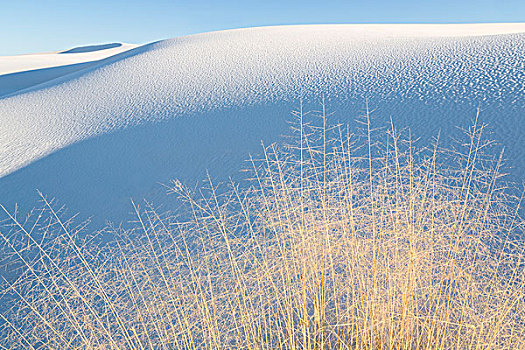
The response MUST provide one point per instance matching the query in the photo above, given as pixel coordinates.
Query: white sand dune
(21, 63)
(21, 72)
(175, 108)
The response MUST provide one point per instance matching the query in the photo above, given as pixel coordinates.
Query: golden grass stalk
(339, 242)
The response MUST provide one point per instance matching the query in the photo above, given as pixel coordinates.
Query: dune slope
(25, 71)
(175, 108)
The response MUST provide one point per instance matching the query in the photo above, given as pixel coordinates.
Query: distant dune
(23, 63)
(24, 71)
(91, 48)
(97, 136)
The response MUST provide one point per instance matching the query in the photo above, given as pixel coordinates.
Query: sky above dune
(36, 26)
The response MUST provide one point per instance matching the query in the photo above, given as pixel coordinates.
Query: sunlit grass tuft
(339, 242)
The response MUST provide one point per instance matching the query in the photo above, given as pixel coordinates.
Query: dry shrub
(338, 242)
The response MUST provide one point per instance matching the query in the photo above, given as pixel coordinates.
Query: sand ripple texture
(429, 77)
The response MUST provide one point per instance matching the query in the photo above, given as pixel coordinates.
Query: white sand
(173, 109)
(20, 63)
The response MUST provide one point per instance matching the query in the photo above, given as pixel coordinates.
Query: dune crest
(174, 108)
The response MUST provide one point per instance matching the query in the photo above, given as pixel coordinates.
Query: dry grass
(340, 242)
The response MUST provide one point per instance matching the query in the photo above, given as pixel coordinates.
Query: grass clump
(338, 242)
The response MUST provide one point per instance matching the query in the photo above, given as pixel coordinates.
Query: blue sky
(47, 25)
